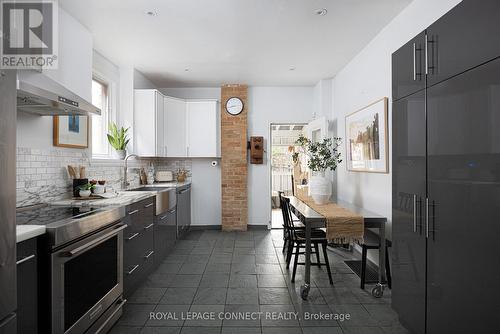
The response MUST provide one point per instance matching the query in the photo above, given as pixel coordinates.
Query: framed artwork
(71, 131)
(366, 138)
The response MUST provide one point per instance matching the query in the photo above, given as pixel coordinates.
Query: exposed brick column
(234, 168)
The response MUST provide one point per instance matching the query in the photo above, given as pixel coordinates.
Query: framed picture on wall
(71, 131)
(366, 138)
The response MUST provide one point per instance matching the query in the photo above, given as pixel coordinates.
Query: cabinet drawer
(138, 266)
(27, 286)
(136, 245)
(164, 235)
(141, 214)
(26, 249)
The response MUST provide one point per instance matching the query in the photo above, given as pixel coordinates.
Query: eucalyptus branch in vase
(321, 155)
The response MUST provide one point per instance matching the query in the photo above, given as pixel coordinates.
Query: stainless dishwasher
(183, 210)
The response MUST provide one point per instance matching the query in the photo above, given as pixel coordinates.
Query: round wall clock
(234, 106)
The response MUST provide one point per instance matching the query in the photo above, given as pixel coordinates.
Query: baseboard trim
(204, 227)
(218, 227)
(257, 227)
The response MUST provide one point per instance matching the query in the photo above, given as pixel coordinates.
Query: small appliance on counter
(164, 176)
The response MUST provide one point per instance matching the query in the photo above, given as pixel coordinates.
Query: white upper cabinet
(149, 123)
(203, 129)
(175, 127)
(170, 127)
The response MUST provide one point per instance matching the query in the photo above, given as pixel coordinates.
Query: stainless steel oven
(87, 282)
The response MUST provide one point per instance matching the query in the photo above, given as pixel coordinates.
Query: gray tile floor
(220, 275)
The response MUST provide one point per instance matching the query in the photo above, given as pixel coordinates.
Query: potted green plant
(321, 155)
(85, 190)
(118, 139)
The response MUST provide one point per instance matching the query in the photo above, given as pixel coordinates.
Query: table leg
(304, 289)
(378, 290)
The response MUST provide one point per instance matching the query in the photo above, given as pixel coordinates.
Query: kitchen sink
(166, 198)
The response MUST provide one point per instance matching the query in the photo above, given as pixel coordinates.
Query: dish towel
(342, 225)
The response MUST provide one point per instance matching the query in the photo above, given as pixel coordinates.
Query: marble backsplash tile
(42, 174)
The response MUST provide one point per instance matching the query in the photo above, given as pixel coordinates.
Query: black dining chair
(296, 222)
(297, 241)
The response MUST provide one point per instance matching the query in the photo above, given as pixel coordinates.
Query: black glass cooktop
(50, 214)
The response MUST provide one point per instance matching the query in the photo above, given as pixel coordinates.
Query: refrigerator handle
(427, 217)
(429, 66)
(414, 62)
(426, 55)
(414, 213)
(428, 230)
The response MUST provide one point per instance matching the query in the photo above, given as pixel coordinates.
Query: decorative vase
(121, 154)
(320, 188)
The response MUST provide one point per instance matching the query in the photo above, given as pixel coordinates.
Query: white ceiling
(233, 41)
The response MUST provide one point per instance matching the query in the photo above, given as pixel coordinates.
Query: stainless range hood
(38, 94)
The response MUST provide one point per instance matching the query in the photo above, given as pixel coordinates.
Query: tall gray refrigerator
(8, 300)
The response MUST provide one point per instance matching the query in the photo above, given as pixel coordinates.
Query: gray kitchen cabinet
(461, 39)
(138, 247)
(408, 68)
(27, 287)
(183, 210)
(445, 178)
(164, 235)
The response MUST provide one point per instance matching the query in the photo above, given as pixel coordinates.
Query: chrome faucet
(125, 183)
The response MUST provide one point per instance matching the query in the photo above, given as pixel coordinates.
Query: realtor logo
(29, 34)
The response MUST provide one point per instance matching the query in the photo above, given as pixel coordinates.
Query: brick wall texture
(234, 167)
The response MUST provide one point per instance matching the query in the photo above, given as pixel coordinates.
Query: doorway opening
(283, 137)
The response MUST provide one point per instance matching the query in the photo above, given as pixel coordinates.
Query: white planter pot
(320, 188)
(121, 154)
(84, 193)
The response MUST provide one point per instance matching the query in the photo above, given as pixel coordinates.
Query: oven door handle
(78, 250)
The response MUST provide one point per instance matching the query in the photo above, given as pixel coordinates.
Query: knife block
(77, 183)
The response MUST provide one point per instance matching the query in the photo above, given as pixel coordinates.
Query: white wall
(323, 99)
(271, 105)
(368, 78)
(141, 82)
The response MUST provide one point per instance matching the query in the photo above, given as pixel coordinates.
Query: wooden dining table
(312, 219)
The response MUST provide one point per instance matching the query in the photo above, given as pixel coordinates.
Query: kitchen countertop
(123, 198)
(172, 184)
(25, 232)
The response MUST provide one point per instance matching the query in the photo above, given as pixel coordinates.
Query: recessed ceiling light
(151, 12)
(292, 68)
(186, 69)
(321, 12)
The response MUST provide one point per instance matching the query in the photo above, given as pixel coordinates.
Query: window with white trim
(102, 97)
